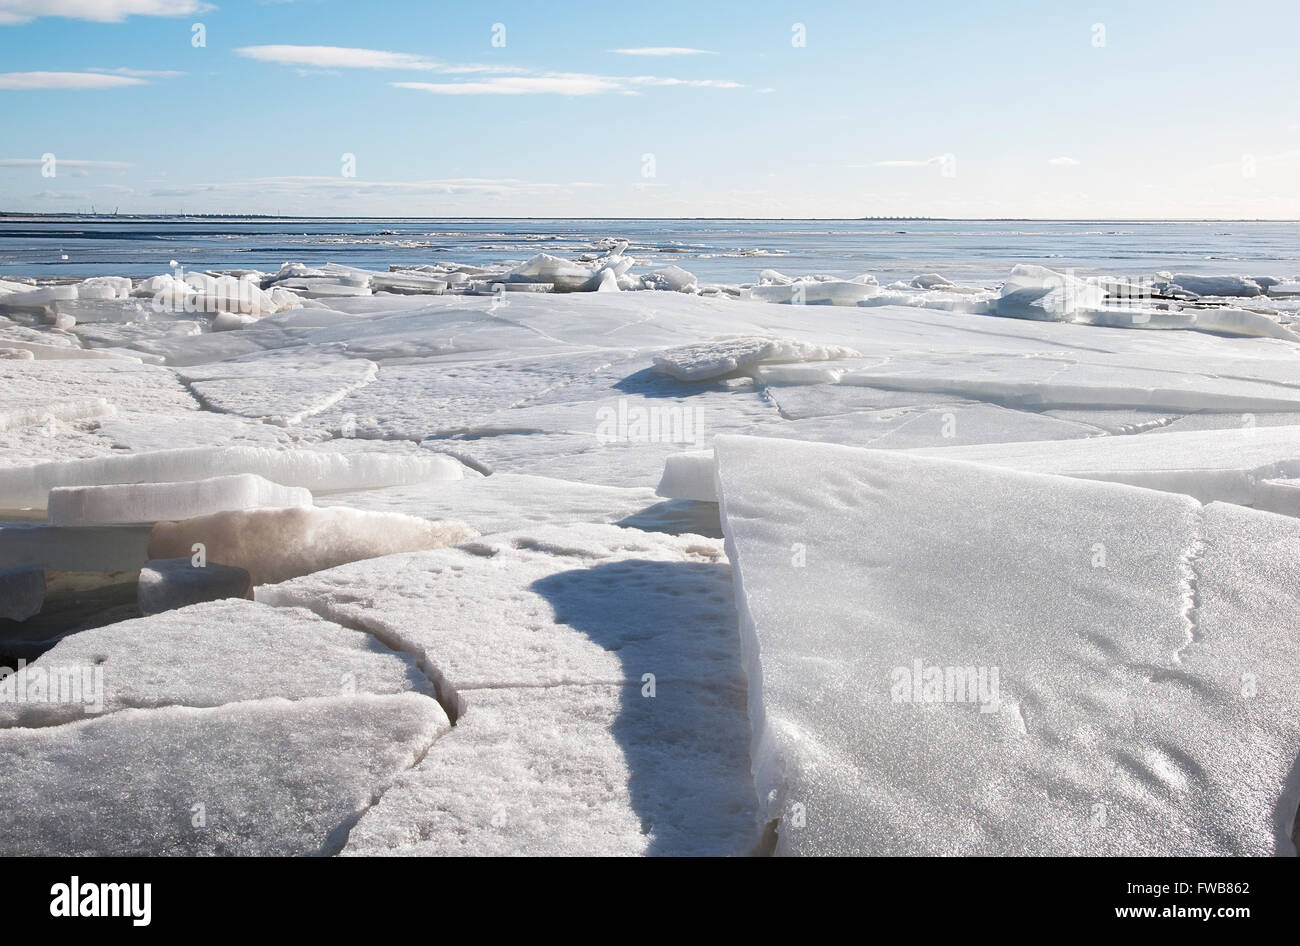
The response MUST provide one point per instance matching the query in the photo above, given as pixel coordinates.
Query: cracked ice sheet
(219, 652)
(577, 770)
(1103, 381)
(1233, 465)
(274, 777)
(541, 607)
(130, 390)
(282, 388)
(615, 440)
(542, 638)
(952, 425)
(1099, 741)
(414, 401)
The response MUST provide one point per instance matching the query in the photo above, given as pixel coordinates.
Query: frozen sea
(585, 555)
(970, 252)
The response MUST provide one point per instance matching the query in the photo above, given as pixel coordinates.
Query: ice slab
(29, 486)
(1235, 465)
(691, 475)
(1102, 711)
(728, 354)
(277, 544)
(215, 653)
(1096, 381)
(172, 583)
(576, 770)
(265, 777)
(278, 388)
(542, 607)
(150, 502)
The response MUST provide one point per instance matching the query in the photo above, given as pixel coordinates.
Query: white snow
(208, 655)
(1112, 635)
(263, 777)
(727, 354)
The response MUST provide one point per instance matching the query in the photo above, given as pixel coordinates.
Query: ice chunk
(104, 287)
(946, 658)
(931, 281)
(675, 279)
(690, 476)
(1216, 285)
(814, 292)
(265, 777)
(29, 486)
(730, 353)
(1041, 294)
(17, 354)
(36, 298)
(564, 275)
(150, 502)
(215, 653)
(22, 592)
(1235, 465)
(171, 583)
(277, 544)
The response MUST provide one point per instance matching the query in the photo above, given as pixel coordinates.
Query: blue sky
(962, 109)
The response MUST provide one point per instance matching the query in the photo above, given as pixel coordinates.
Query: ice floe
(1010, 663)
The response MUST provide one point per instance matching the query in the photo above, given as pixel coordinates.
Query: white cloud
(349, 57)
(140, 73)
(66, 80)
(1063, 162)
(518, 85)
(66, 163)
(99, 11)
(497, 80)
(664, 51)
(928, 162)
(569, 83)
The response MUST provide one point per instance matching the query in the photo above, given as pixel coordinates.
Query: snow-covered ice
(1094, 640)
(267, 777)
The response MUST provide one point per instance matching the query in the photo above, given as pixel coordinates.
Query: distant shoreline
(6, 214)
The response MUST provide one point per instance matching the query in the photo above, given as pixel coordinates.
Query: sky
(1083, 109)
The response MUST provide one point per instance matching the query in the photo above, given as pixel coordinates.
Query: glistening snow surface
(946, 658)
